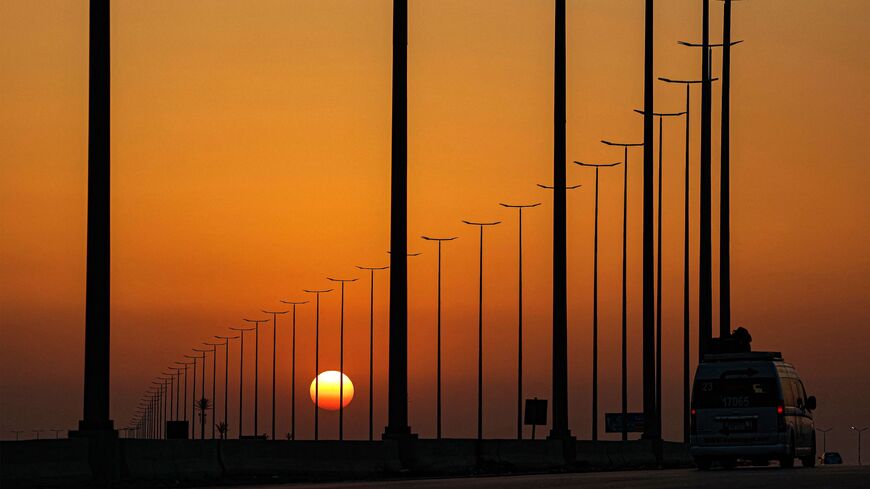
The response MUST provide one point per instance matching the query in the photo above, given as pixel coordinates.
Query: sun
(330, 384)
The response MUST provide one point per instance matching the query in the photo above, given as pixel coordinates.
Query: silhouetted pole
(202, 404)
(317, 358)
(824, 432)
(651, 430)
(725, 182)
(241, 373)
(625, 147)
(160, 409)
(95, 415)
(342, 281)
(274, 358)
(705, 265)
(293, 371)
(213, 384)
(438, 347)
(686, 256)
(185, 365)
(480, 225)
(193, 394)
(595, 303)
(397, 412)
(256, 323)
(226, 345)
(177, 391)
(859, 432)
(372, 271)
(658, 290)
(171, 380)
(560, 428)
(519, 318)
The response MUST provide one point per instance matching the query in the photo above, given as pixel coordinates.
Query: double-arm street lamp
(226, 345)
(859, 432)
(519, 208)
(439, 241)
(480, 225)
(274, 359)
(293, 370)
(193, 395)
(624, 147)
(256, 323)
(597, 167)
(242, 332)
(371, 271)
(342, 281)
(317, 357)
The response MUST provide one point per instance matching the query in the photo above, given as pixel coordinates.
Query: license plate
(739, 426)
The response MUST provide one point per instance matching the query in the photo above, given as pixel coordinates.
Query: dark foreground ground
(839, 477)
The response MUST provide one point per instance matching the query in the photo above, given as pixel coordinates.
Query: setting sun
(329, 390)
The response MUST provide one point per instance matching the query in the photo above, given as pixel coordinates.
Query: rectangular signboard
(536, 412)
(613, 422)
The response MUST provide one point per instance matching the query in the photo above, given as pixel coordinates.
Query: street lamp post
(293, 371)
(256, 323)
(203, 401)
(625, 147)
(597, 167)
(185, 365)
(274, 358)
(519, 209)
(241, 373)
(177, 391)
(686, 315)
(213, 383)
(859, 431)
(172, 401)
(438, 347)
(226, 344)
(372, 271)
(480, 225)
(317, 358)
(824, 432)
(193, 395)
(658, 344)
(342, 281)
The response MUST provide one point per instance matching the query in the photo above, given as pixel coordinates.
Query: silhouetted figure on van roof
(739, 341)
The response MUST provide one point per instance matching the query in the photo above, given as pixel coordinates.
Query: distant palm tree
(223, 429)
(202, 405)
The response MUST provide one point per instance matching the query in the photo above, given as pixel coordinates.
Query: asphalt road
(840, 477)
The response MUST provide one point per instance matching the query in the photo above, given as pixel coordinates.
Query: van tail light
(779, 410)
(693, 421)
(780, 418)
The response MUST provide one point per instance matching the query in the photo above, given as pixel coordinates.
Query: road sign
(536, 412)
(613, 422)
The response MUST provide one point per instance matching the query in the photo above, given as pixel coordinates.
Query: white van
(753, 407)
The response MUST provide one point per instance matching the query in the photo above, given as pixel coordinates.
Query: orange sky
(250, 153)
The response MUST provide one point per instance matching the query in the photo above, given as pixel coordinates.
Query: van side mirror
(811, 403)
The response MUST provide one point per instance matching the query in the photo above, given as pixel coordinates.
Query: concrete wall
(44, 463)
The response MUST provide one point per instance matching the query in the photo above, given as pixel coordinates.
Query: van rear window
(735, 393)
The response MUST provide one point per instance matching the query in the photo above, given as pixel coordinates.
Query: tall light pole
(213, 383)
(177, 391)
(171, 396)
(625, 147)
(858, 431)
(480, 225)
(193, 395)
(226, 344)
(824, 432)
(560, 430)
(293, 371)
(597, 167)
(274, 358)
(658, 354)
(372, 271)
(519, 208)
(651, 430)
(686, 256)
(185, 365)
(705, 266)
(256, 323)
(342, 281)
(203, 401)
(439, 241)
(242, 332)
(317, 358)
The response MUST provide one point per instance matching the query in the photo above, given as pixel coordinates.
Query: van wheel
(703, 463)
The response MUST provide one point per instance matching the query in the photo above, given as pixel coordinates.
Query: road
(840, 477)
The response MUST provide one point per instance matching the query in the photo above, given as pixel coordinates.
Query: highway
(839, 477)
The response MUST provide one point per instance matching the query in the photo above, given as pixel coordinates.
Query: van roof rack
(754, 355)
